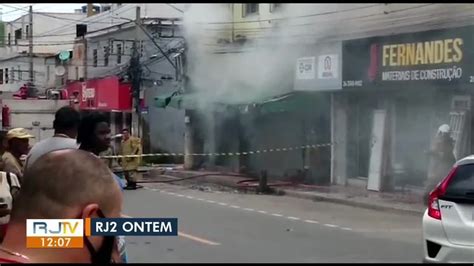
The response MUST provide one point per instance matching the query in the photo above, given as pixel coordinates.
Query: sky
(9, 11)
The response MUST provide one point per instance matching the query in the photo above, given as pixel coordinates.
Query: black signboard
(434, 58)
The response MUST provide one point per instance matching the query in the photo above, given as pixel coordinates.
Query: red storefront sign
(106, 94)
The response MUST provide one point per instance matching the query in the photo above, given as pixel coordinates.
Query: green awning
(282, 103)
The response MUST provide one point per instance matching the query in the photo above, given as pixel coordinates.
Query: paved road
(232, 227)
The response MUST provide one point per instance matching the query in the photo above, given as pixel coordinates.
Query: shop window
(249, 9)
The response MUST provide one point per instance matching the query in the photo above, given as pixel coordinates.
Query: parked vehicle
(448, 222)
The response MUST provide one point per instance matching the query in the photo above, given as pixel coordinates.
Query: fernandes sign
(434, 57)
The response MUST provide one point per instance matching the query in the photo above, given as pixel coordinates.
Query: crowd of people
(63, 177)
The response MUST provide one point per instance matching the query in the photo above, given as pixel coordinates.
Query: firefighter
(130, 146)
(441, 158)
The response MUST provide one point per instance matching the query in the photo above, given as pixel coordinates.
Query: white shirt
(47, 146)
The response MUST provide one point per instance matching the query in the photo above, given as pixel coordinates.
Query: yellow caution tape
(303, 147)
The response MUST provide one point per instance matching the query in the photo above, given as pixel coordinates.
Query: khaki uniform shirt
(132, 146)
(12, 165)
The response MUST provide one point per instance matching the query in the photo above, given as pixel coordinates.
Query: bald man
(67, 184)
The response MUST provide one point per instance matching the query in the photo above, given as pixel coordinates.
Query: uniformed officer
(130, 146)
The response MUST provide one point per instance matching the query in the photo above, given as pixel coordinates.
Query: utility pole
(189, 130)
(135, 71)
(31, 88)
(90, 10)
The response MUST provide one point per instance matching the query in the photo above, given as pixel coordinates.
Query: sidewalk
(407, 202)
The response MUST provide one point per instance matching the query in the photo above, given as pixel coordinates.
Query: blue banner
(134, 227)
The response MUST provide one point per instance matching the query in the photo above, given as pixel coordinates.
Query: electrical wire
(289, 18)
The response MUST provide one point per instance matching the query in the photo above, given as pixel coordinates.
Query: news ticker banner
(70, 233)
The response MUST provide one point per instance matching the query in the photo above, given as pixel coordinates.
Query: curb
(302, 195)
(349, 202)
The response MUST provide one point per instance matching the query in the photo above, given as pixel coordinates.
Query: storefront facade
(107, 95)
(397, 90)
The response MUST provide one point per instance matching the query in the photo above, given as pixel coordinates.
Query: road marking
(311, 221)
(277, 214)
(200, 199)
(293, 218)
(179, 195)
(171, 193)
(249, 209)
(264, 212)
(154, 189)
(222, 204)
(210, 201)
(189, 197)
(198, 239)
(346, 228)
(330, 225)
(235, 206)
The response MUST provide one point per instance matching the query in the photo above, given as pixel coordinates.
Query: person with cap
(441, 159)
(17, 147)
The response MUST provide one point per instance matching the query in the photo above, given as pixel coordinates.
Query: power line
(292, 17)
(349, 19)
(92, 20)
(175, 8)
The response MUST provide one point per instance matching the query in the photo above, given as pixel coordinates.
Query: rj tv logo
(54, 233)
(59, 228)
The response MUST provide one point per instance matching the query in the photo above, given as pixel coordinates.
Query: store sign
(305, 68)
(87, 93)
(327, 67)
(441, 57)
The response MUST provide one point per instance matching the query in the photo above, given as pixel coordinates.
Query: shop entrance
(360, 120)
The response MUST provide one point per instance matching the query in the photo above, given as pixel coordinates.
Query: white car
(448, 222)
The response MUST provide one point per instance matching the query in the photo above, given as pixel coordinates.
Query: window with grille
(7, 78)
(119, 53)
(142, 47)
(94, 57)
(1, 76)
(106, 56)
(18, 36)
(249, 9)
